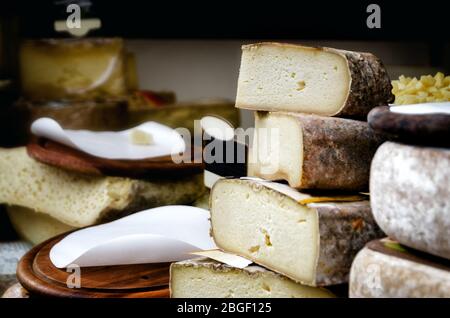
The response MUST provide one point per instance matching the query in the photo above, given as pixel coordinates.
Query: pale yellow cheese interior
(35, 227)
(292, 78)
(267, 227)
(200, 281)
(277, 149)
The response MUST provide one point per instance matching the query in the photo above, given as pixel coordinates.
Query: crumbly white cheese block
(323, 81)
(312, 152)
(313, 244)
(386, 269)
(35, 227)
(81, 200)
(410, 195)
(72, 68)
(206, 278)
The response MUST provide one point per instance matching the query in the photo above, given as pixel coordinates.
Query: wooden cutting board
(39, 277)
(64, 157)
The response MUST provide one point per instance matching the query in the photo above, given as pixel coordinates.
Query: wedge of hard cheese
(313, 244)
(81, 200)
(35, 227)
(386, 269)
(206, 278)
(312, 152)
(410, 196)
(323, 81)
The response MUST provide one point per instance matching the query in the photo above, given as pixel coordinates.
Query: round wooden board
(37, 275)
(61, 156)
(421, 129)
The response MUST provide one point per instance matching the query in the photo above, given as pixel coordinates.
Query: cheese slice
(206, 278)
(313, 244)
(35, 227)
(81, 200)
(410, 195)
(312, 152)
(386, 269)
(79, 69)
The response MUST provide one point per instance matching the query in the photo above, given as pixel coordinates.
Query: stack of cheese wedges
(410, 198)
(44, 201)
(303, 238)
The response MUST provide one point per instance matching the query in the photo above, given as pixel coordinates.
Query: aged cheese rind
(323, 81)
(410, 191)
(81, 200)
(205, 278)
(313, 244)
(313, 152)
(386, 274)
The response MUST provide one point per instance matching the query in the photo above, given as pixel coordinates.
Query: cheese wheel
(410, 191)
(386, 269)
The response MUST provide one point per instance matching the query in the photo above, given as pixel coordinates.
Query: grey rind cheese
(206, 278)
(410, 191)
(385, 269)
(313, 244)
(314, 80)
(81, 200)
(312, 152)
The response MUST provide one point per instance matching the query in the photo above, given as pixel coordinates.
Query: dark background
(344, 20)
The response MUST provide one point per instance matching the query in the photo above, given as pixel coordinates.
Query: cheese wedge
(313, 244)
(385, 269)
(205, 278)
(312, 152)
(35, 227)
(81, 200)
(79, 69)
(323, 81)
(410, 195)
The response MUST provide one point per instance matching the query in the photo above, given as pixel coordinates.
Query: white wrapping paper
(422, 109)
(113, 145)
(163, 234)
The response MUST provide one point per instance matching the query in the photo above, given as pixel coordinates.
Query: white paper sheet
(422, 109)
(226, 258)
(113, 145)
(163, 234)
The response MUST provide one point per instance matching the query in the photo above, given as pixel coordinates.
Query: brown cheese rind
(336, 153)
(344, 229)
(370, 84)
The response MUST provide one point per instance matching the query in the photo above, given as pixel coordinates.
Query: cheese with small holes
(312, 152)
(80, 69)
(323, 81)
(81, 200)
(410, 195)
(206, 278)
(386, 269)
(311, 243)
